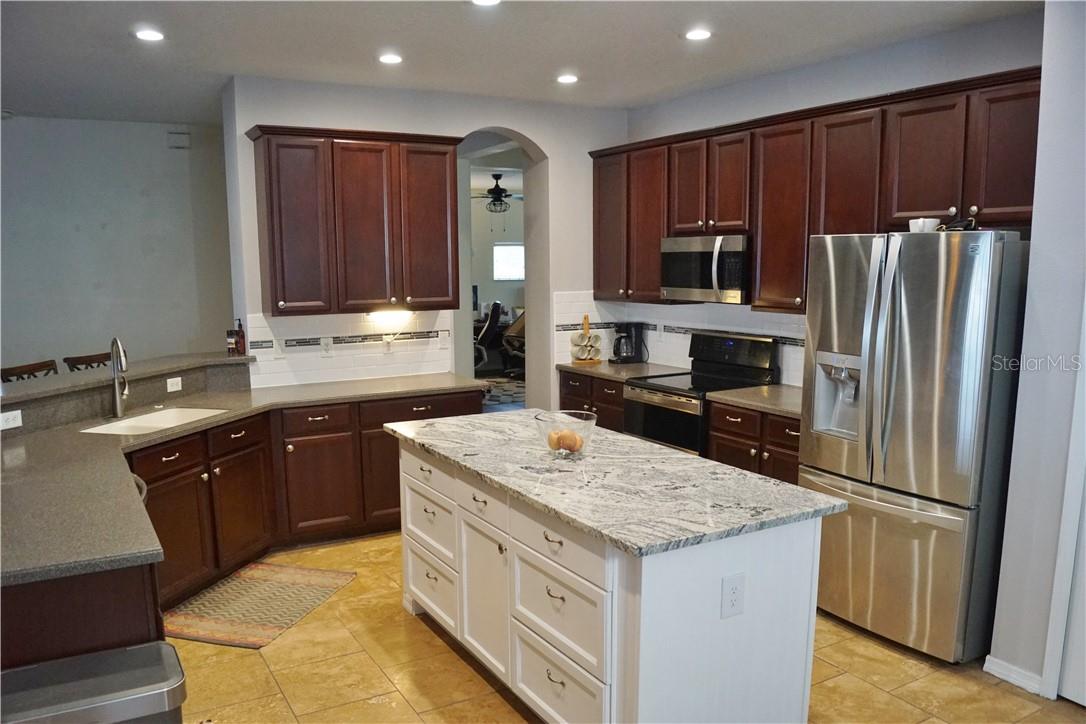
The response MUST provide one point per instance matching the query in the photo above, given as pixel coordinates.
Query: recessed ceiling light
(567, 78)
(390, 58)
(698, 34)
(150, 35)
(486, 2)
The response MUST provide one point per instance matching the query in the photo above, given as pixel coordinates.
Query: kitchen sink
(153, 421)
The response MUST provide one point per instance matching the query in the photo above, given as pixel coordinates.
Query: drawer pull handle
(168, 458)
(556, 541)
(574, 383)
(729, 418)
(555, 595)
(424, 408)
(428, 511)
(610, 392)
(236, 435)
(431, 576)
(424, 469)
(501, 548)
(553, 680)
(318, 418)
(790, 432)
(478, 500)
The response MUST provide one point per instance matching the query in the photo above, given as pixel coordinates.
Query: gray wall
(486, 229)
(1052, 327)
(106, 231)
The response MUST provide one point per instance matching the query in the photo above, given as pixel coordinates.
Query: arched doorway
(523, 164)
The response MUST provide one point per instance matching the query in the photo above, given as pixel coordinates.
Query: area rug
(503, 391)
(253, 605)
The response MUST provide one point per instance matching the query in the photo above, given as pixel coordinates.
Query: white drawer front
(430, 519)
(568, 612)
(579, 552)
(425, 468)
(485, 501)
(554, 686)
(432, 585)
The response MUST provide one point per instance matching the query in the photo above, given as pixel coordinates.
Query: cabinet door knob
(712, 223)
(701, 223)
(753, 452)
(203, 476)
(290, 448)
(952, 211)
(501, 548)
(621, 292)
(973, 210)
(282, 305)
(392, 299)
(629, 292)
(217, 471)
(798, 301)
(408, 300)
(593, 409)
(765, 456)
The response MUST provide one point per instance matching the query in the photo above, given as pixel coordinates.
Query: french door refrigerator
(910, 381)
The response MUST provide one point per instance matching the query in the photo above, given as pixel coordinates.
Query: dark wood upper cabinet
(1001, 154)
(323, 477)
(647, 216)
(609, 227)
(845, 152)
(428, 211)
(729, 183)
(295, 216)
(353, 221)
(366, 209)
(686, 187)
(180, 510)
(241, 496)
(923, 158)
(781, 162)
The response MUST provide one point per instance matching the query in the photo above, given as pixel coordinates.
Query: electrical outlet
(326, 346)
(388, 342)
(732, 591)
(173, 384)
(10, 419)
(443, 339)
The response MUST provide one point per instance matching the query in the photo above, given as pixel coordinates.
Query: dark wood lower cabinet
(779, 463)
(381, 479)
(241, 497)
(609, 417)
(324, 483)
(755, 441)
(734, 451)
(180, 510)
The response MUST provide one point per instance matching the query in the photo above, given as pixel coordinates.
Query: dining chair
(28, 371)
(87, 361)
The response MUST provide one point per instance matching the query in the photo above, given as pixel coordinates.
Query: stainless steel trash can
(142, 683)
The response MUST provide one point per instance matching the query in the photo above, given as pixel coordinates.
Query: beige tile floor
(360, 657)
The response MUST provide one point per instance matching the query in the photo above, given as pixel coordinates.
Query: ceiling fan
(497, 196)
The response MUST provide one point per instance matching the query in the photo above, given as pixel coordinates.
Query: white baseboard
(1021, 678)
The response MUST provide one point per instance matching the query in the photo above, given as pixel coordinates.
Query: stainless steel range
(671, 409)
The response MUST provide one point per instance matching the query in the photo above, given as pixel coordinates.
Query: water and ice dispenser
(837, 395)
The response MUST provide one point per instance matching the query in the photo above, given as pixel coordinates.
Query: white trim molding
(1021, 678)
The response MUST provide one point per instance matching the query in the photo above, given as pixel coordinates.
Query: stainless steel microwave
(705, 269)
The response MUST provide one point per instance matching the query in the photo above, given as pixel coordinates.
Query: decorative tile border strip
(262, 344)
(302, 342)
(349, 339)
(595, 325)
(690, 330)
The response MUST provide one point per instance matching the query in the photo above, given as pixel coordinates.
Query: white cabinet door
(484, 591)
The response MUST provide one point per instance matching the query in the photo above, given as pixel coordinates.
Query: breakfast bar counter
(643, 583)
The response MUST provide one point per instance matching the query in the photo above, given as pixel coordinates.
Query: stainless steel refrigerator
(908, 407)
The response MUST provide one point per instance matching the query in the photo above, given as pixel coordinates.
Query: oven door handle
(685, 405)
(716, 263)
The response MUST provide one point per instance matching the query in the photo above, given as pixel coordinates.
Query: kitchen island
(636, 583)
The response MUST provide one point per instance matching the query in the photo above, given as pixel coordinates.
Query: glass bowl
(566, 432)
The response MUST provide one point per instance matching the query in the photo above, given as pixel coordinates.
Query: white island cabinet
(636, 583)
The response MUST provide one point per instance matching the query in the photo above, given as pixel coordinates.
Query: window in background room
(508, 262)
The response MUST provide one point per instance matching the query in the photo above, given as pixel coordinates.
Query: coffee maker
(629, 343)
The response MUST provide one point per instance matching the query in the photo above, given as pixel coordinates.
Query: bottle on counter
(231, 342)
(239, 339)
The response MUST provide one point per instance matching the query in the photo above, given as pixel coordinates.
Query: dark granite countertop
(622, 372)
(69, 502)
(786, 400)
(16, 392)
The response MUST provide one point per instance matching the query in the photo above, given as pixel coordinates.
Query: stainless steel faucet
(119, 364)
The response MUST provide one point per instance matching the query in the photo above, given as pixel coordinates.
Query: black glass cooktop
(698, 385)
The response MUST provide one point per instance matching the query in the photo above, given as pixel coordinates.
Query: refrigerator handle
(878, 404)
(716, 261)
(824, 484)
(874, 273)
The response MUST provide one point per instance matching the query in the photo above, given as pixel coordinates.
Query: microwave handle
(716, 262)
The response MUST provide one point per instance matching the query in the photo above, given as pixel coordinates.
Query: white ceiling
(78, 59)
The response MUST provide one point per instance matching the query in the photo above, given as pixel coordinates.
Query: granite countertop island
(641, 497)
(784, 400)
(70, 503)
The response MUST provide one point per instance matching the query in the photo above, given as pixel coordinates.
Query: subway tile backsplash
(669, 328)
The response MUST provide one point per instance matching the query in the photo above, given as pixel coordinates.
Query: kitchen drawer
(606, 392)
(324, 418)
(169, 457)
(430, 519)
(735, 420)
(554, 686)
(570, 613)
(376, 413)
(573, 385)
(782, 431)
(559, 542)
(486, 501)
(427, 469)
(610, 417)
(432, 585)
(236, 435)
